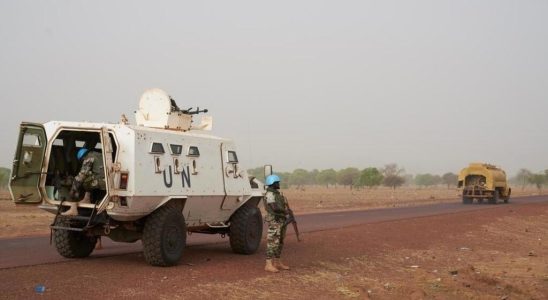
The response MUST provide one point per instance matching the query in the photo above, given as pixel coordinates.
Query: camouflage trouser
(89, 183)
(275, 238)
(92, 182)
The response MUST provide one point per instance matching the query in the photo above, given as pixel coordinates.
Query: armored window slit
(176, 149)
(157, 148)
(193, 151)
(232, 157)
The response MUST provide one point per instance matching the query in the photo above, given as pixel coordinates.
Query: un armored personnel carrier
(483, 181)
(164, 177)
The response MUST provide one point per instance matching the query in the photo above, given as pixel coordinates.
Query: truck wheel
(246, 229)
(72, 244)
(506, 199)
(495, 198)
(164, 237)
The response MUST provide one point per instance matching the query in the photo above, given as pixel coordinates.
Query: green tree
(348, 176)
(299, 177)
(392, 169)
(522, 177)
(257, 172)
(538, 180)
(449, 179)
(312, 176)
(427, 179)
(284, 179)
(4, 177)
(327, 177)
(393, 176)
(370, 177)
(393, 181)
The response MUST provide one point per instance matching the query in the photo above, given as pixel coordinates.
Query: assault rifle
(291, 220)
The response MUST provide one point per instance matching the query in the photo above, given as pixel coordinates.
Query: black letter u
(170, 178)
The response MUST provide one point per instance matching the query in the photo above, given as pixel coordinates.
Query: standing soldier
(277, 211)
(90, 177)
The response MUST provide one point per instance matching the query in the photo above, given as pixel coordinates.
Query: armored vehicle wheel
(495, 198)
(246, 229)
(72, 244)
(466, 200)
(164, 237)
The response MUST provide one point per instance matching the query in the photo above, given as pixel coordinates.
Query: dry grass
(320, 198)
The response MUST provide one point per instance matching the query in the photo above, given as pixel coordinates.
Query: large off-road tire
(246, 229)
(72, 244)
(164, 237)
(495, 198)
(467, 200)
(507, 198)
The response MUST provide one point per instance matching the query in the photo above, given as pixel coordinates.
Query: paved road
(16, 252)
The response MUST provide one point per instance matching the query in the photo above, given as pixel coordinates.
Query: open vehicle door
(27, 164)
(108, 166)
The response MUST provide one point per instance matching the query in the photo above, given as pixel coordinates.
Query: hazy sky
(430, 85)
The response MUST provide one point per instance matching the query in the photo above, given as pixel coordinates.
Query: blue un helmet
(81, 153)
(271, 179)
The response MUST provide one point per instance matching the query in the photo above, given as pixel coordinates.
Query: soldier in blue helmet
(277, 211)
(90, 177)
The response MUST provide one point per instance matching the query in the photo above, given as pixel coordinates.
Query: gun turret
(195, 112)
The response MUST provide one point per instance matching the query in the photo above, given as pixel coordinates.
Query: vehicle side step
(77, 218)
(67, 228)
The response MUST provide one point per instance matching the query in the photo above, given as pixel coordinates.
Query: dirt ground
(496, 253)
(26, 220)
(492, 255)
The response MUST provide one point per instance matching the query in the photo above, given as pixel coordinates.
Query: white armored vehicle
(163, 177)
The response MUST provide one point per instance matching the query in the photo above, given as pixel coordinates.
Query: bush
(4, 177)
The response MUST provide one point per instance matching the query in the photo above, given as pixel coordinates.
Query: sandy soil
(22, 220)
(498, 253)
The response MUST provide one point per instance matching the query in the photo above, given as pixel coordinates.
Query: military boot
(86, 199)
(73, 210)
(280, 265)
(269, 267)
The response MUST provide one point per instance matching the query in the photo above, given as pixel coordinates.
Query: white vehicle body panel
(211, 186)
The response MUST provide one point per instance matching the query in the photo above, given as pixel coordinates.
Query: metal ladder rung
(67, 228)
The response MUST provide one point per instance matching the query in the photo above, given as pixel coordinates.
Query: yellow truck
(483, 181)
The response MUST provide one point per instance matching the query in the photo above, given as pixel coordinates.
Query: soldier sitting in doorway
(91, 177)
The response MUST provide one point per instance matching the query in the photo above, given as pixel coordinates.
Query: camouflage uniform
(276, 222)
(91, 175)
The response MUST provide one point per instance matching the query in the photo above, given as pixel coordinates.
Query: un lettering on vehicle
(185, 177)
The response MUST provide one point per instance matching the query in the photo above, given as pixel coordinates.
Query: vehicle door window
(232, 157)
(30, 139)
